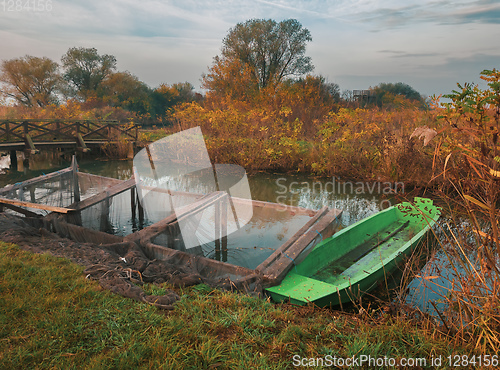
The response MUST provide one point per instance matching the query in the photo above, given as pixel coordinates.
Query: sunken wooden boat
(354, 260)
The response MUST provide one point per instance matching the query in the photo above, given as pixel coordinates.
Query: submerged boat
(359, 256)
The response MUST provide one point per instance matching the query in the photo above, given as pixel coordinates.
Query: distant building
(363, 96)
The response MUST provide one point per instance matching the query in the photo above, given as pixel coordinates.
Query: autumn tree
(30, 81)
(85, 70)
(165, 97)
(122, 89)
(257, 54)
(390, 94)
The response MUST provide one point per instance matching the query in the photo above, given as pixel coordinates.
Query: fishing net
(174, 175)
(123, 267)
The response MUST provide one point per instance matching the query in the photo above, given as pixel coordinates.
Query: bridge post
(13, 160)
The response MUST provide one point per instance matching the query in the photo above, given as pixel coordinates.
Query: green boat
(357, 257)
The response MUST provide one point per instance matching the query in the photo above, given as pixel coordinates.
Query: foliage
(67, 321)
(122, 89)
(469, 139)
(85, 70)
(394, 95)
(165, 97)
(260, 53)
(72, 109)
(371, 144)
(30, 81)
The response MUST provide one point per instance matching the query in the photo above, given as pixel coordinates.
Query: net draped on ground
(121, 267)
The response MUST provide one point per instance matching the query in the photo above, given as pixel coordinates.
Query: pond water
(357, 200)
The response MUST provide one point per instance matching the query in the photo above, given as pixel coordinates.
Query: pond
(357, 200)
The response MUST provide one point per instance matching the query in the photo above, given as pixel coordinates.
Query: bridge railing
(38, 130)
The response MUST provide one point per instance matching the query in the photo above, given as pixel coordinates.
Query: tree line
(86, 76)
(262, 62)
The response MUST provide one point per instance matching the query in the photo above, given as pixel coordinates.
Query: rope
(291, 259)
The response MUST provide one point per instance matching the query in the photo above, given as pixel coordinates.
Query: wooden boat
(359, 256)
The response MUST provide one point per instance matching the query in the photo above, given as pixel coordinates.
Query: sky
(429, 44)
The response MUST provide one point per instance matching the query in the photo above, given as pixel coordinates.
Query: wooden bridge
(31, 135)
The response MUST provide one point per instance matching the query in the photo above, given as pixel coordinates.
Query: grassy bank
(52, 317)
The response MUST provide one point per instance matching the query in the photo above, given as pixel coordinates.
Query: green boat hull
(358, 257)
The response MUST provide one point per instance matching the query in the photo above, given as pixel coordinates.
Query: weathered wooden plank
(81, 143)
(20, 210)
(35, 205)
(277, 270)
(11, 130)
(275, 255)
(34, 180)
(30, 145)
(157, 228)
(105, 180)
(210, 267)
(109, 192)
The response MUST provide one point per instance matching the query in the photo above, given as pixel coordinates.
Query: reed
(470, 192)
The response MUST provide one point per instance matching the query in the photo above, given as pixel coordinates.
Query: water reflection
(357, 201)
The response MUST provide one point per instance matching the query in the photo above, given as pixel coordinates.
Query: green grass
(52, 317)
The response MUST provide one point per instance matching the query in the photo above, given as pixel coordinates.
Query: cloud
(482, 11)
(436, 12)
(404, 54)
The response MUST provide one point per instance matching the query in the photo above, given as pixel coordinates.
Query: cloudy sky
(429, 44)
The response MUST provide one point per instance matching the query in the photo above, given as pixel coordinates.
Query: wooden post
(105, 224)
(30, 145)
(217, 228)
(13, 160)
(132, 203)
(76, 185)
(223, 227)
(32, 194)
(141, 213)
(81, 143)
(75, 218)
(26, 162)
(130, 152)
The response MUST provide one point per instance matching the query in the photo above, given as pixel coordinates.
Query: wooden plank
(76, 185)
(23, 211)
(35, 180)
(275, 255)
(276, 271)
(30, 145)
(157, 228)
(35, 205)
(109, 192)
(81, 143)
(277, 206)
